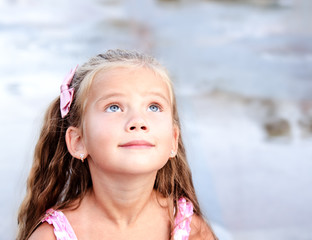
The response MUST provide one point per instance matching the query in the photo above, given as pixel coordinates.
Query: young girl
(110, 162)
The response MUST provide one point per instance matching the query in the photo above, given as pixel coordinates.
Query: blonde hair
(58, 180)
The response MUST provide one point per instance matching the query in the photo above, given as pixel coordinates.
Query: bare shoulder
(200, 229)
(43, 232)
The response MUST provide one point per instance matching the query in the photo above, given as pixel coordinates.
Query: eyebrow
(109, 95)
(117, 94)
(158, 94)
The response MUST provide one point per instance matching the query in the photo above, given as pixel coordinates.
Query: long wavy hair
(58, 180)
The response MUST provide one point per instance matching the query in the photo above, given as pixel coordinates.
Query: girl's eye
(154, 108)
(113, 108)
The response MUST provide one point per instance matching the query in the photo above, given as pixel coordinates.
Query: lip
(137, 144)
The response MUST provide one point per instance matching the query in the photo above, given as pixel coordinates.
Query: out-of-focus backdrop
(243, 77)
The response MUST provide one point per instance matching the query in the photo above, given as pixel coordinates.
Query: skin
(127, 135)
(124, 106)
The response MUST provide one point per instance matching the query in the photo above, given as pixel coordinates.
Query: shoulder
(200, 229)
(43, 232)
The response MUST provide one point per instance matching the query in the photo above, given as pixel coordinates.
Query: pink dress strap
(62, 228)
(183, 220)
(64, 231)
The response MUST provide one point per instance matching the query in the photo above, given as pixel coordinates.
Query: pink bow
(67, 93)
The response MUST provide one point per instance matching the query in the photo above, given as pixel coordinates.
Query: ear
(175, 139)
(74, 142)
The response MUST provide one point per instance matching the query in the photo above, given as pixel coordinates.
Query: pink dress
(64, 231)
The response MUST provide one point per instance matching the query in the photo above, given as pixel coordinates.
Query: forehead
(130, 80)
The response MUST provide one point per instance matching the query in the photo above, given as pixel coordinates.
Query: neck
(123, 198)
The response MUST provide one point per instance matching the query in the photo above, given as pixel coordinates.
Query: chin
(138, 167)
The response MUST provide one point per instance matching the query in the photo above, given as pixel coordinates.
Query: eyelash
(111, 104)
(151, 104)
(157, 105)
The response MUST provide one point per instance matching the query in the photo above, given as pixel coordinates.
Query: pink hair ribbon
(67, 93)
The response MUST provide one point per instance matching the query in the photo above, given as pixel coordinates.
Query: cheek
(166, 135)
(163, 126)
(98, 131)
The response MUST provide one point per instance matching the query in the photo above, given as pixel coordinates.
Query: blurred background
(242, 72)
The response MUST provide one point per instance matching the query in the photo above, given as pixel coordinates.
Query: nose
(137, 124)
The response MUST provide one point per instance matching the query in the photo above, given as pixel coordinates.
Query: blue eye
(154, 108)
(113, 108)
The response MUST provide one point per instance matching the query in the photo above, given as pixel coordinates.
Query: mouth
(137, 144)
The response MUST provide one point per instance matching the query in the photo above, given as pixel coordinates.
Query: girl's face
(128, 126)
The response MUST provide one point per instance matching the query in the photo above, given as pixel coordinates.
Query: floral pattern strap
(183, 220)
(62, 228)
